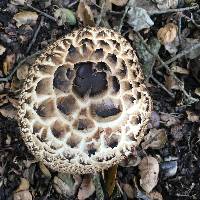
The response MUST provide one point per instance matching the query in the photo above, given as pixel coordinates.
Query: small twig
(72, 4)
(174, 10)
(122, 19)
(9, 77)
(179, 31)
(119, 187)
(115, 12)
(182, 53)
(99, 7)
(190, 19)
(180, 84)
(162, 86)
(41, 12)
(101, 14)
(35, 35)
(194, 22)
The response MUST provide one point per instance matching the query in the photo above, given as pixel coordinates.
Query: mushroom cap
(83, 106)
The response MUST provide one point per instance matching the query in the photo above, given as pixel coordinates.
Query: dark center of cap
(88, 80)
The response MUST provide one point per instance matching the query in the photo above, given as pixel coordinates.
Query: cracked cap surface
(83, 106)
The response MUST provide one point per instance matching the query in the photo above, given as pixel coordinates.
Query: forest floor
(166, 36)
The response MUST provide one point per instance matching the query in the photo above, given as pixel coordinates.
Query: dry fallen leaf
(130, 161)
(9, 111)
(154, 121)
(85, 14)
(8, 140)
(155, 196)
(25, 17)
(179, 70)
(128, 190)
(44, 170)
(3, 99)
(16, 84)
(155, 139)
(28, 163)
(149, 170)
(110, 179)
(197, 91)
(22, 71)
(2, 49)
(66, 184)
(87, 188)
(147, 59)
(24, 185)
(8, 63)
(119, 2)
(169, 119)
(64, 15)
(172, 47)
(192, 116)
(167, 33)
(23, 195)
(139, 19)
(166, 4)
(147, 5)
(17, 2)
(171, 83)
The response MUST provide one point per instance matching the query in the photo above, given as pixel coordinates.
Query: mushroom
(83, 106)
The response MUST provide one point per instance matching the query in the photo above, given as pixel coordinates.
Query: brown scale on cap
(83, 107)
